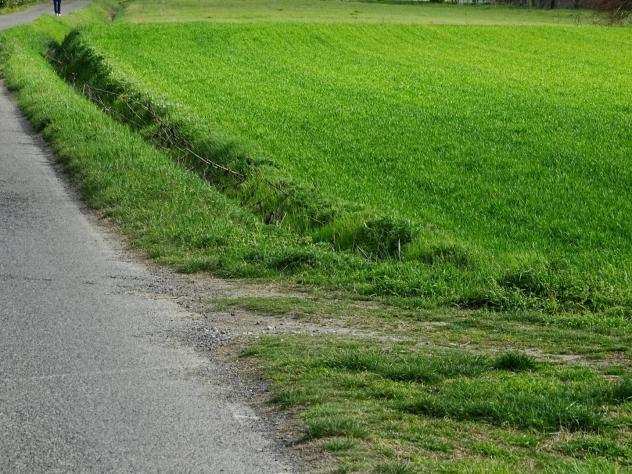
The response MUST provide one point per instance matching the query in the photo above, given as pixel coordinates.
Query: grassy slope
(167, 211)
(512, 159)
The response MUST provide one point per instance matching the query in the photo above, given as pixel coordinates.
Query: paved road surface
(89, 378)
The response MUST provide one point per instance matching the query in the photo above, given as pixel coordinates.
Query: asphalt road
(91, 378)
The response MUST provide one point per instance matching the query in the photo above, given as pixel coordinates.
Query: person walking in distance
(57, 7)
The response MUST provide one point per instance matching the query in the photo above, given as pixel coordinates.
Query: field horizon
(347, 11)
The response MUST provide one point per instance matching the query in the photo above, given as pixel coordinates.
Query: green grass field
(500, 151)
(342, 11)
(494, 157)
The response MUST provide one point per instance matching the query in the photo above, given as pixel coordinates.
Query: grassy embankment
(437, 163)
(166, 210)
(433, 390)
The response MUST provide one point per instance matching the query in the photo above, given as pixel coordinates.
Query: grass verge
(394, 407)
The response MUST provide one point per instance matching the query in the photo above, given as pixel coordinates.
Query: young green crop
(346, 11)
(507, 147)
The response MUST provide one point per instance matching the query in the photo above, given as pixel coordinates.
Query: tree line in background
(617, 10)
(614, 9)
(14, 3)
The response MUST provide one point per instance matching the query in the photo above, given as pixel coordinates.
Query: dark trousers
(57, 6)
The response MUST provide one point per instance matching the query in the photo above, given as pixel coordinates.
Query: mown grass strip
(395, 407)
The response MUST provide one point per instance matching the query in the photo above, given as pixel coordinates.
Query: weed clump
(335, 425)
(514, 362)
(336, 445)
(591, 445)
(524, 402)
(395, 468)
(383, 237)
(374, 237)
(622, 392)
(407, 367)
